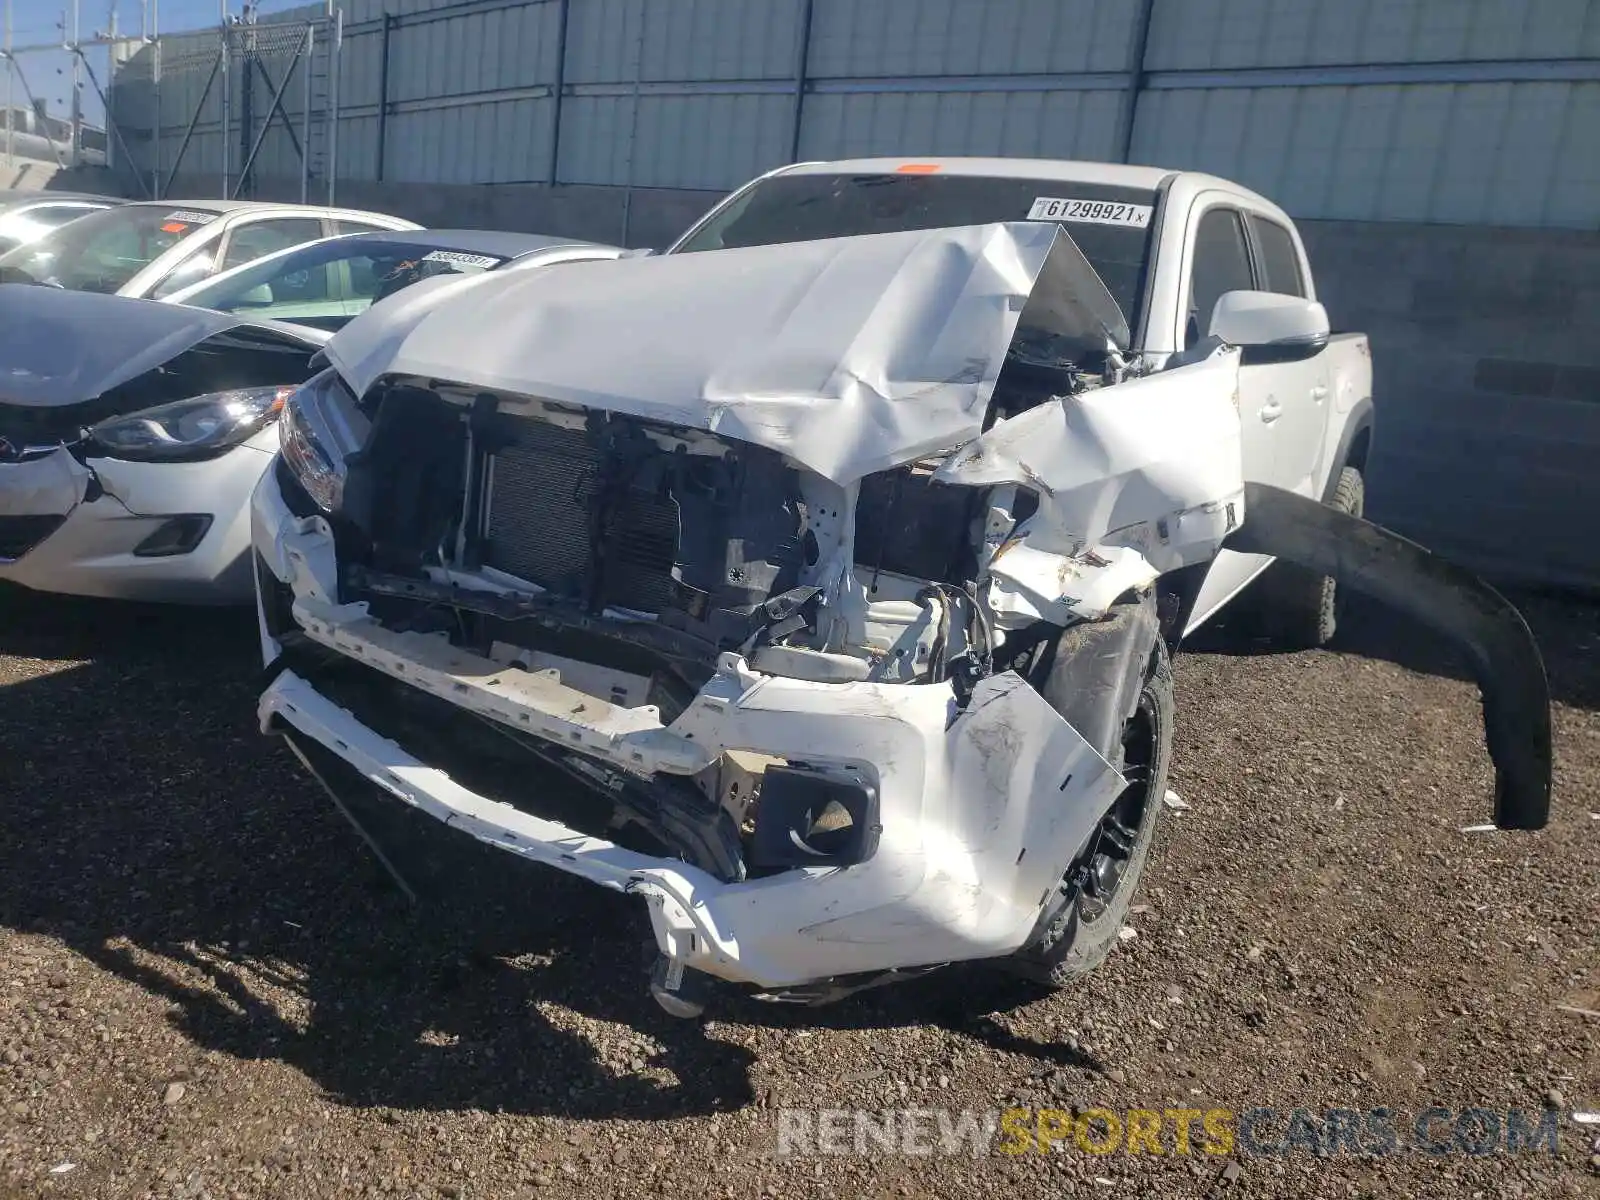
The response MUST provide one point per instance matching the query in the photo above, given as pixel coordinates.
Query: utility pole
(247, 116)
(226, 50)
(155, 81)
(11, 75)
(109, 117)
(76, 157)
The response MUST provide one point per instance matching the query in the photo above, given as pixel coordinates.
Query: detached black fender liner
(1504, 657)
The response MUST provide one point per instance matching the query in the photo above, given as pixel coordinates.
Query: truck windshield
(808, 207)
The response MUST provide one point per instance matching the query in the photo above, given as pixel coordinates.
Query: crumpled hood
(850, 355)
(59, 348)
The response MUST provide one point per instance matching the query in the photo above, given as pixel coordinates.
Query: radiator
(539, 522)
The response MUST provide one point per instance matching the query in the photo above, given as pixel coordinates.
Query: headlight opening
(190, 430)
(307, 446)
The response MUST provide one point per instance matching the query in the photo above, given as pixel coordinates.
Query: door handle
(1319, 393)
(1271, 411)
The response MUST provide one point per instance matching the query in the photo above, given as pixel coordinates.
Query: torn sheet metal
(52, 485)
(1133, 481)
(850, 355)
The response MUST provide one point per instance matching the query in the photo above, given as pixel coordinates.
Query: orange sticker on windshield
(917, 168)
(174, 227)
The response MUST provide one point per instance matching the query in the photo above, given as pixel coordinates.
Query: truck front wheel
(1097, 890)
(1300, 609)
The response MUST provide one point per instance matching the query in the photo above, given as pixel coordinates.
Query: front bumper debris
(1505, 658)
(964, 861)
(978, 807)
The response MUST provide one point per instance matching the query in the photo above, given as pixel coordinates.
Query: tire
(1081, 930)
(1299, 610)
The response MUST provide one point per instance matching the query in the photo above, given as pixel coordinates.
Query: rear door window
(254, 239)
(1280, 262)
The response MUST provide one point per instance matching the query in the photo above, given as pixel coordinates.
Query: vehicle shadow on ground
(1566, 627)
(154, 830)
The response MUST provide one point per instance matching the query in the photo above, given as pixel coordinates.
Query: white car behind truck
(133, 432)
(836, 556)
(154, 248)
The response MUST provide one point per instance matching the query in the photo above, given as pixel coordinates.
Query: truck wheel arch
(1355, 445)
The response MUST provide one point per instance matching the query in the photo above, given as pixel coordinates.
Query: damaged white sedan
(840, 572)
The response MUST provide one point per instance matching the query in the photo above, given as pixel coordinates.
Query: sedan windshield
(104, 250)
(326, 284)
(1111, 225)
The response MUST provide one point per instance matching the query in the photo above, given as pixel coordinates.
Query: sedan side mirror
(1269, 327)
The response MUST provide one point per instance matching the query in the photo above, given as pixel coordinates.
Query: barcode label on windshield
(460, 258)
(1092, 212)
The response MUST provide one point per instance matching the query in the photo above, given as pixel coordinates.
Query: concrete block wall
(1486, 364)
(34, 175)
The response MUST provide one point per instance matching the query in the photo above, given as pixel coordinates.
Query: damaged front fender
(1132, 481)
(1499, 646)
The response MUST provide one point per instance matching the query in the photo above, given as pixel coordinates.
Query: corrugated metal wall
(1459, 111)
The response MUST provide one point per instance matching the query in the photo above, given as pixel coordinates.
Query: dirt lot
(206, 989)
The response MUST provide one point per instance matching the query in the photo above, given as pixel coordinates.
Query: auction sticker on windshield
(1092, 212)
(460, 258)
(185, 216)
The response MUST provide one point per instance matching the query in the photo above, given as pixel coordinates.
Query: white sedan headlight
(189, 430)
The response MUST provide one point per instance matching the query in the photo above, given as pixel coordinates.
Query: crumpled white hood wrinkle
(850, 355)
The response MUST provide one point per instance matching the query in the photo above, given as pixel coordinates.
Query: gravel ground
(206, 989)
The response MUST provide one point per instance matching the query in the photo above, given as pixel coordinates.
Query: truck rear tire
(1089, 914)
(1299, 609)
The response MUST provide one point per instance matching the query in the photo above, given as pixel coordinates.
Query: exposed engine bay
(797, 638)
(625, 559)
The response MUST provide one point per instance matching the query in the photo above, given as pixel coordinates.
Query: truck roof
(1014, 168)
(1060, 170)
(224, 207)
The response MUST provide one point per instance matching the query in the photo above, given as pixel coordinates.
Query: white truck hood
(849, 355)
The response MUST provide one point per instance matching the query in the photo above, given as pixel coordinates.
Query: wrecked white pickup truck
(838, 554)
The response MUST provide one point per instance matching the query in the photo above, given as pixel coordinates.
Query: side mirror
(1269, 327)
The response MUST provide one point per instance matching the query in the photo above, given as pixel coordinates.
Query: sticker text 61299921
(1093, 212)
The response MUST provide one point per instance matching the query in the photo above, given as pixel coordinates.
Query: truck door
(1301, 388)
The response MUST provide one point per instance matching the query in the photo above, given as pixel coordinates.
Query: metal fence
(243, 99)
(1453, 110)
(28, 130)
